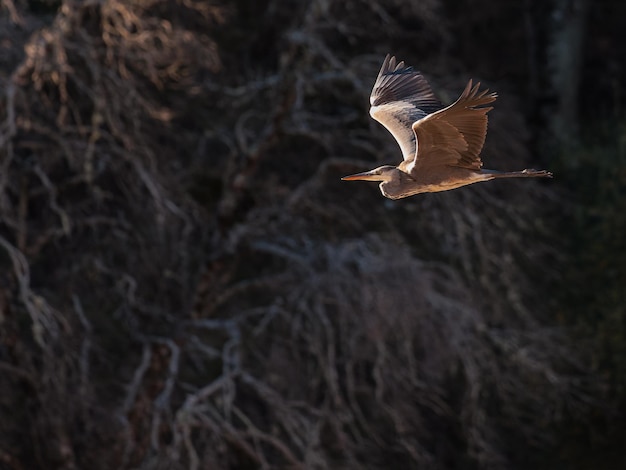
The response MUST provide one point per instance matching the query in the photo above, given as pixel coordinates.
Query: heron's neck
(394, 187)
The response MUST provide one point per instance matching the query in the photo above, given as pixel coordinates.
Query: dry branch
(189, 285)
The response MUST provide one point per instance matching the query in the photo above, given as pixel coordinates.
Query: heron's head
(382, 173)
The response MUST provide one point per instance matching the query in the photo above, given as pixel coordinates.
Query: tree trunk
(565, 60)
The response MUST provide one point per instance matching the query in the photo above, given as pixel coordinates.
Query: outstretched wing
(400, 97)
(453, 136)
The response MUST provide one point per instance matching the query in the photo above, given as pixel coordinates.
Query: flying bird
(440, 145)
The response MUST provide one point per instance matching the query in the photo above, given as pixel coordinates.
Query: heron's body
(440, 145)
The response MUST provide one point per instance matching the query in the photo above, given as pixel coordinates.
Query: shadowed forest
(186, 283)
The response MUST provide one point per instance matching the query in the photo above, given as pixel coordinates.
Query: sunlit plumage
(440, 145)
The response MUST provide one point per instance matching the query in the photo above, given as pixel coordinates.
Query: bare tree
(188, 284)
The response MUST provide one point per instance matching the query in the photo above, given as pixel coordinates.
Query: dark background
(186, 282)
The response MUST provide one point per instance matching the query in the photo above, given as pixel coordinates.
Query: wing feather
(400, 97)
(455, 135)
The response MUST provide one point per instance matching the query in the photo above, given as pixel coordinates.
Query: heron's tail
(528, 173)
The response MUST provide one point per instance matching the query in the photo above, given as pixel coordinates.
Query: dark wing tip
(390, 61)
(399, 82)
(392, 66)
(474, 96)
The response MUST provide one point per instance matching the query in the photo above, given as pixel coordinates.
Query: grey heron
(440, 145)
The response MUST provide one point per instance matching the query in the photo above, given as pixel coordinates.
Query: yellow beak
(365, 176)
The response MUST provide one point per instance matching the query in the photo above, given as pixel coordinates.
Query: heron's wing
(453, 136)
(400, 97)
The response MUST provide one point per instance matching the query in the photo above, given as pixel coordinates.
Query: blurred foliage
(596, 174)
(593, 304)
